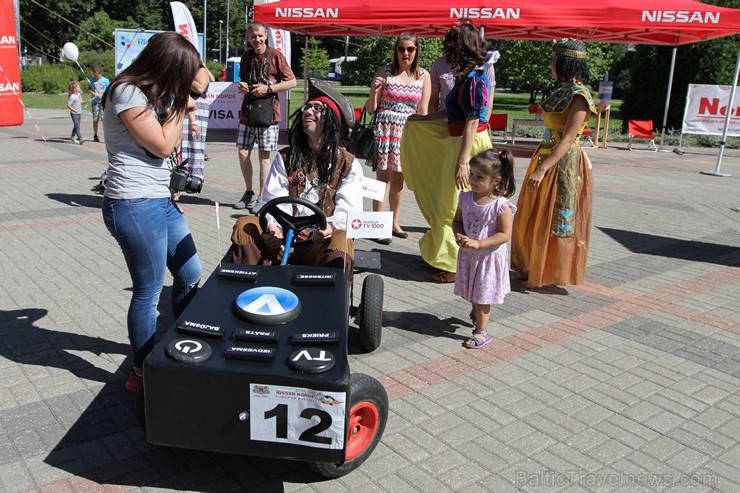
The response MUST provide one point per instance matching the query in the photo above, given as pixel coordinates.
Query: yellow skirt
(428, 159)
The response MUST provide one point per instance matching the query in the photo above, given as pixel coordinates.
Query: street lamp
(220, 24)
(228, 11)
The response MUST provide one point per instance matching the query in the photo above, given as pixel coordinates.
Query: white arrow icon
(191, 347)
(269, 300)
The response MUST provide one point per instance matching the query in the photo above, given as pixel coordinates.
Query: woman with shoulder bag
(397, 91)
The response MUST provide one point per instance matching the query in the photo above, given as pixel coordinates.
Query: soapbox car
(257, 364)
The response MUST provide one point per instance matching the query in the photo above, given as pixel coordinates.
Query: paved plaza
(628, 383)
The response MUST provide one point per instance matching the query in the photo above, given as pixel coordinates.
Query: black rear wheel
(371, 313)
(367, 417)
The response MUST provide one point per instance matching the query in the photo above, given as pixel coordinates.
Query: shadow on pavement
(77, 200)
(691, 250)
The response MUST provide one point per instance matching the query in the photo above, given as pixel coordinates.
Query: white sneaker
(257, 206)
(246, 201)
(75, 140)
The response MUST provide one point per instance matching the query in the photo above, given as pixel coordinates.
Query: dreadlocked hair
(569, 68)
(301, 151)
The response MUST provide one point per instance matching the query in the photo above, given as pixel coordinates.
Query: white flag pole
(218, 231)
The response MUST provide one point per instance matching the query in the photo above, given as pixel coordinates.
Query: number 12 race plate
(297, 416)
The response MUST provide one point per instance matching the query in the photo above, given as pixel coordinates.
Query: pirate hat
(318, 88)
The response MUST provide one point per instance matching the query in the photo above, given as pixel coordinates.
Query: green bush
(48, 78)
(90, 60)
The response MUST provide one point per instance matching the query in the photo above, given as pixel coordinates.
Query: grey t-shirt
(132, 174)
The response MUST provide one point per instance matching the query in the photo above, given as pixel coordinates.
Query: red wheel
(363, 423)
(367, 417)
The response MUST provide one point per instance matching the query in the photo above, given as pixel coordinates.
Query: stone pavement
(626, 384)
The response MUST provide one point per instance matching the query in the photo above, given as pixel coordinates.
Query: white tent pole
(728, 113)
(668, 98)
(305, 68)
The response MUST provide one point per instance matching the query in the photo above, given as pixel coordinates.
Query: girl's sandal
(477, 342)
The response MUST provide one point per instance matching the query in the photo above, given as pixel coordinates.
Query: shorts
(267, 137)
(97, 111)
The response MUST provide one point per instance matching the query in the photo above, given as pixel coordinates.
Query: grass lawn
(513, 103)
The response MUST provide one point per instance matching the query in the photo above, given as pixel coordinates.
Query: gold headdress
(563, 51)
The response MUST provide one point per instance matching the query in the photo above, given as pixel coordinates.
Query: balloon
(70, 51)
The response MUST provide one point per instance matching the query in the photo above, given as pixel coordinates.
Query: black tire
(371, 313)
(368, 414)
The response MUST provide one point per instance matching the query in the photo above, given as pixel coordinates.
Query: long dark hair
(302, 153)
(571, 64)
(164, 71)
(497, 163)
(463, 47)
(396, 64)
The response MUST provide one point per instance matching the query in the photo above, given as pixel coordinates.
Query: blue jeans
(153, 236)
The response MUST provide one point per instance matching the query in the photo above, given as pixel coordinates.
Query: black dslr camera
(182, 180)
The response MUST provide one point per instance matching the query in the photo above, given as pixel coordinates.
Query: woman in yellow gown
(435, 153)
(549, 243)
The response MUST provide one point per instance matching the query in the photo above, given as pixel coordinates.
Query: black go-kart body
(257, 365)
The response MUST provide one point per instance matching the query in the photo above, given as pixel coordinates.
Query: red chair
(536, 110)
(587, 135)
(498, 123)
(641, 129)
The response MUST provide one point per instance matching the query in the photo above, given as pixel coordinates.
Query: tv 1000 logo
(366, 224)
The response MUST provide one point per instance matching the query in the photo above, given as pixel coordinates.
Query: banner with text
(706, 110)
(224, 102)
(369, 224)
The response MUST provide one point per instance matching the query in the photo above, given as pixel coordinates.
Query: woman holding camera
(143, 112)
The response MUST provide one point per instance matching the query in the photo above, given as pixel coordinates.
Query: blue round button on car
(267, 305)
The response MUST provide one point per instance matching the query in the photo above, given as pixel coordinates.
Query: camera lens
(195, 184)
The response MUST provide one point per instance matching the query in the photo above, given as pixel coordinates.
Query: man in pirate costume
(264, 72)
(318, 168)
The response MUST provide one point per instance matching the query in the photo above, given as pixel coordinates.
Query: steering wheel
(290, 222)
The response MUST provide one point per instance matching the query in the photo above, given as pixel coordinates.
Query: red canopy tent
(654, 22)
(612, 21)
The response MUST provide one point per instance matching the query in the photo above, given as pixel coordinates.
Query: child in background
(482, 226)
(74, 103)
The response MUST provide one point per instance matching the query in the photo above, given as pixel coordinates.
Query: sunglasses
(317, 107)
(405, 49)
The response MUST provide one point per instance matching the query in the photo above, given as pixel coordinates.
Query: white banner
(373, 189)
(224, 102)
(184, 23)
(706, 110)
(130, 42)
(369, 224)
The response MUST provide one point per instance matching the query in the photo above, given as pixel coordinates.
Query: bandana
(330, 103)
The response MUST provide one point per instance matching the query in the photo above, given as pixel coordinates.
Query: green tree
(524, 65)
(96, 33)
(377, 52)
(317, 58)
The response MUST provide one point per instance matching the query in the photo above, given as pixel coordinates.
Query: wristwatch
(269, 88)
